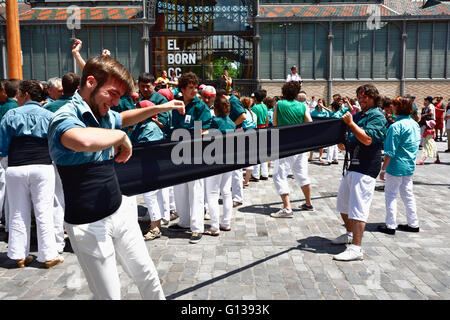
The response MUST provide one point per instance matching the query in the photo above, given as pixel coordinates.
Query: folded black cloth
(155, 165)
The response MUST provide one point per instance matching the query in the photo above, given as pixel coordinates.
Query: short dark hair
(12, 87)
(221, 106)
(290, 90)
(269, 102)
(220, 93)
(246, 102)
(70, 82)
(103, 68)
(387, 102)
(404, 106)
(33, 88)
(186, 79)
(146, 77)
(370, 91)
(260, 95)
(335, 106)
(220, 83)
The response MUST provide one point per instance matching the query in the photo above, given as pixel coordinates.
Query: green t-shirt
(196, 110)
(261, 113)
(290, 112)
(8, 105)
(55, 105)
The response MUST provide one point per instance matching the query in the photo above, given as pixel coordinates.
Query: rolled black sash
(91, 191)
(28, 150)
(152, 167)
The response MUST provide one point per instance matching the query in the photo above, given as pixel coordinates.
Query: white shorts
(355, 195)
(298, 164)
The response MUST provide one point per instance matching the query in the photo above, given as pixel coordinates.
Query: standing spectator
(400, 148)
(70, 82)
(447, 127)
(260, 109)
(319, 112)
(163, 80)
(10, 88)
(208, 96)
(294, 75)
(228, 81)
(189, 196)
(367, 132)
(173, 83)
(428, 113)
(332, 151)
(30, 177)
(415, 114)
(439, 113)
(55, 89)
(221, 183)
(430, 148)
(287, 112)
(249, 123)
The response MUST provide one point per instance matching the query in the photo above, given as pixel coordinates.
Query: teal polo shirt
(319, 114)
(223, 124)
(196, 110)
(146, 131)
(8, 105)
(261, 113)
(402, 145)
(236, 108)
(77, 114)
(55, 105)
(125, 104)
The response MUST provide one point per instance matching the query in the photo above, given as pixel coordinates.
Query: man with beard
(83, 139)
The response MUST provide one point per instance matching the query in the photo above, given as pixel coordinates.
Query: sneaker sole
(356, 259)
(286, 217)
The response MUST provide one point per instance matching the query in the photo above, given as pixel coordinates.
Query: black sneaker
(195, 237)
(264, 178)
(306, 207)
(405, 227)
(177, 227)
(386, 230)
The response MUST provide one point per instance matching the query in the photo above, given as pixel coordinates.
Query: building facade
(398, 45)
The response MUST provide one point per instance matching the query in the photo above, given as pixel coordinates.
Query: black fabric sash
(91, 191)
(151, 167)
(28, 150)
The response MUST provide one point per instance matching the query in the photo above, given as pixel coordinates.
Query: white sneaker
(283, 213)
(349, 255)
(342, 239)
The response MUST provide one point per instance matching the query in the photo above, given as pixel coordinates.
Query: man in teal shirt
(6, 97)
(70, 83)
(400, 147)
(367, 131)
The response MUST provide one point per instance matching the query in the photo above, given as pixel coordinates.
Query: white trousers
(422, 131)
(332, 153)
(172, 199)
(355, 195)
(393, 186)
(189, 199)
(155, 204)
(31, 186)
(262, 168)
(237, 187)
(2, 188)
(4, 209)
(282, 167)
(58, 212)
(216, 185)
(96, 245)
(166, 203)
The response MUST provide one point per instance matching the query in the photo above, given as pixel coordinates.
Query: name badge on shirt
(187, 118)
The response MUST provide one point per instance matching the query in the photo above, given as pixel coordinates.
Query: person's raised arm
(76, 54)
(239, 119)
(131, 117)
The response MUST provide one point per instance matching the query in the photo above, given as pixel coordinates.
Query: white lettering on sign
(178, 58)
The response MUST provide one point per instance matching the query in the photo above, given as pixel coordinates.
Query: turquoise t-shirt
(290, 112)
(402, 145)
(320, 114)
(223, 124)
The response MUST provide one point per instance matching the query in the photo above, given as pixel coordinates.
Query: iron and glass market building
(401, 46)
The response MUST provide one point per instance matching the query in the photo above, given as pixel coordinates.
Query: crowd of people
(59, 147)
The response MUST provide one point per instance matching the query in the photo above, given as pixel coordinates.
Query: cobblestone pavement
(267, 258)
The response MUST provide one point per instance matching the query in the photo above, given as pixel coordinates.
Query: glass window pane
(411, 45)
(338, 50)
(321, 52)
(265, 51)
(293, 46)
(25, 39)
(438, 61)
(425, 43)
(307, 54)
(37, 34)
(351, 50)
(365, 52)
(380, 63)
(123, 47)
(395, 51)
(279, 47)
(136, 66)
(52, 51)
